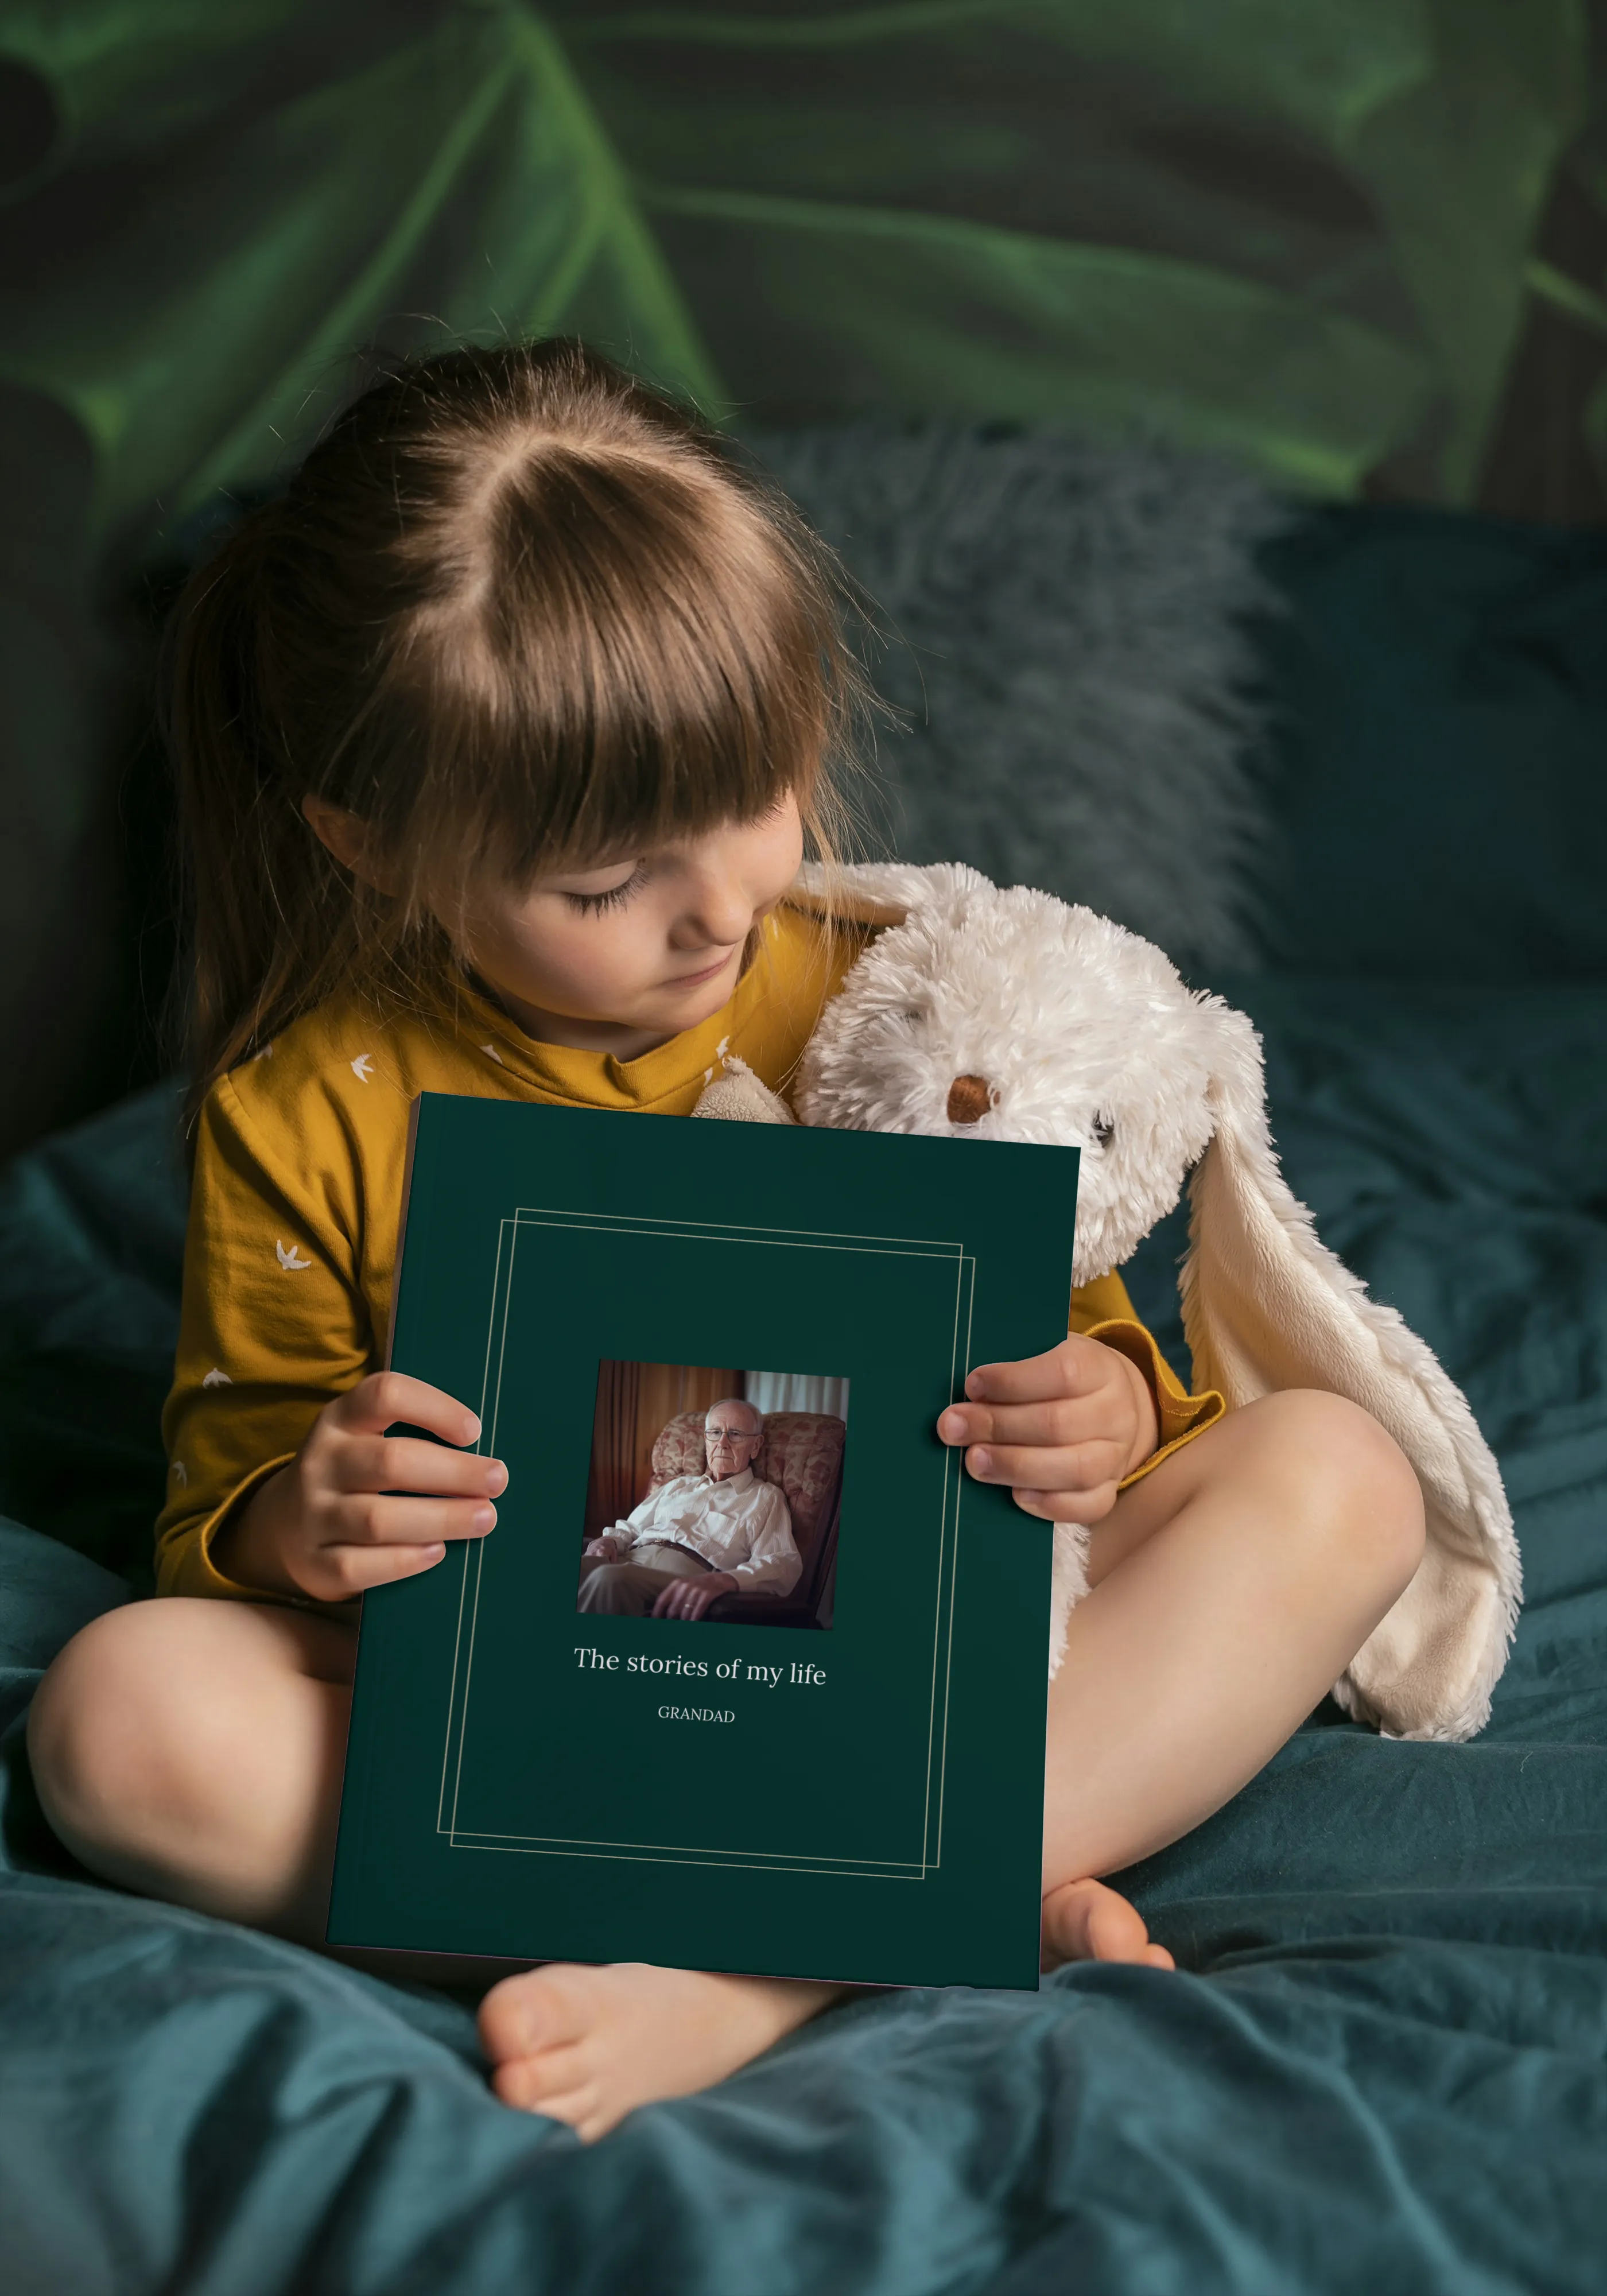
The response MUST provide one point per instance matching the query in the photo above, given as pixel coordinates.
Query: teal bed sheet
(1383, 2067)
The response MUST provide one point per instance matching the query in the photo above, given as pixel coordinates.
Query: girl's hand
(1062, 1429)
(357, 1507)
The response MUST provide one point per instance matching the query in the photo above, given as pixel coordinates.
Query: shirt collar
(597, 1079)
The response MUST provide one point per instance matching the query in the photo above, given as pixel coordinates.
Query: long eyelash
(590, 904)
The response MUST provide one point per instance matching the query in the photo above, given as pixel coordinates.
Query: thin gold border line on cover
(955, 1460)
(947, 1552)
(677, 1851)
(714, 1232)
(579, 1216)
(624, 1225)
(463, 1589)
(463, 1707)
(948, 1534)
(516, 1846)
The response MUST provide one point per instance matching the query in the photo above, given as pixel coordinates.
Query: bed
(1385, 2064)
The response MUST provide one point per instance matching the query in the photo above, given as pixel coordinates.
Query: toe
(535, 2009)
(1116, 1930)
(1085, 1921)
(531, 2082)
(578, 2107)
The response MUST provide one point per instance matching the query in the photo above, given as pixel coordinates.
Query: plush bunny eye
(1104, 1127)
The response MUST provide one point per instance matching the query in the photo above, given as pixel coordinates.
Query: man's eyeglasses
(732, 1434)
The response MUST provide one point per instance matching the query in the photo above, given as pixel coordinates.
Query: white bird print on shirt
(290, 1259)
(181, 1474)
(494, 1054)
(361, 1068)
(216, 1378)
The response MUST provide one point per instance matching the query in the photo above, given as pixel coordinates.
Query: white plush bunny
(979, 1013)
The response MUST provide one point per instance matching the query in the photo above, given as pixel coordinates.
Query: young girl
(499, 740)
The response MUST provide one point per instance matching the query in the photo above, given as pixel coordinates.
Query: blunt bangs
(635, 651)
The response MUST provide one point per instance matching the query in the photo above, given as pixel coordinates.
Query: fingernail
(473, 1426)
(981, 1462)
(496, 1478)
(429, 1554)
(973, 1386)
(951, 1427)
(484, 1517)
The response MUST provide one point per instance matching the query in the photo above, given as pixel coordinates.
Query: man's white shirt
(741, 1525)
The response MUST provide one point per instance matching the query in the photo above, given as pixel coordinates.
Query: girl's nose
(720, 911)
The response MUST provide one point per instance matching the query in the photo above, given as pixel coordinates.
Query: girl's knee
(114, 1721)
(1367, 1497)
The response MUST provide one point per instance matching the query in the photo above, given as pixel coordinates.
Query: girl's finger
(1067, 1506)
(1078, 1467)
(405, 1463)
(1067, 1419)
(1076, 1366)
(353, 1570)
(381, 1518)
(386, 1398)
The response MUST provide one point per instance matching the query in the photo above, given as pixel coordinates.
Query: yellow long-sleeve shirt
(297, 1195)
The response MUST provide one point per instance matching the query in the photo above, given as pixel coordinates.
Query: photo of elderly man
(697, 1537)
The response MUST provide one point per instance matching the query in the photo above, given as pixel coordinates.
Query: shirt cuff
(185, 1564)
(1179, 1416)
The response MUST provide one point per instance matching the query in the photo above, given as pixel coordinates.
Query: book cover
(837, 1772)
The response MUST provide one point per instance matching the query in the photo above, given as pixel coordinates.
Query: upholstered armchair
(802, 1451)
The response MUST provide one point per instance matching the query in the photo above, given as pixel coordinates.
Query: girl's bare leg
(193, 1750)
(1229, 1589)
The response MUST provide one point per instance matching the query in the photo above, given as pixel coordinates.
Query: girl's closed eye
(590, 902)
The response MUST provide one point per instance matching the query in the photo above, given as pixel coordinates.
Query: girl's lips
(692, 979)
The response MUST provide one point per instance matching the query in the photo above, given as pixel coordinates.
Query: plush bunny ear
(1267, 1308)
(876, 892)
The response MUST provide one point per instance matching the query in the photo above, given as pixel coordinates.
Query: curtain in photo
(634, 1401)
(796, 1390)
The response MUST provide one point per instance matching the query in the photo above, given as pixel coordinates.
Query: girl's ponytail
(262, 895)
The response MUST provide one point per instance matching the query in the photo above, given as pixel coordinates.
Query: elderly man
(698, 1536)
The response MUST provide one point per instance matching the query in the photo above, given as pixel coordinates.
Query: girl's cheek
(591, 962)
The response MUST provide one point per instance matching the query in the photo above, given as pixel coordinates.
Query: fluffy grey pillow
(1065, 627)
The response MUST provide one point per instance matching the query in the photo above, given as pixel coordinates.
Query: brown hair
(516, 609)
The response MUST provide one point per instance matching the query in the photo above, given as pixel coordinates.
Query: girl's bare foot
(588, 2046)
(1082, 1921)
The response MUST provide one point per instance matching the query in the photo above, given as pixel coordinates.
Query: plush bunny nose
(968, 1098)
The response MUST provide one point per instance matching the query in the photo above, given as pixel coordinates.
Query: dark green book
(836, 1771)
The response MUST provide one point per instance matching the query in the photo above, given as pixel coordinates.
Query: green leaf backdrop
(1300, 232)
